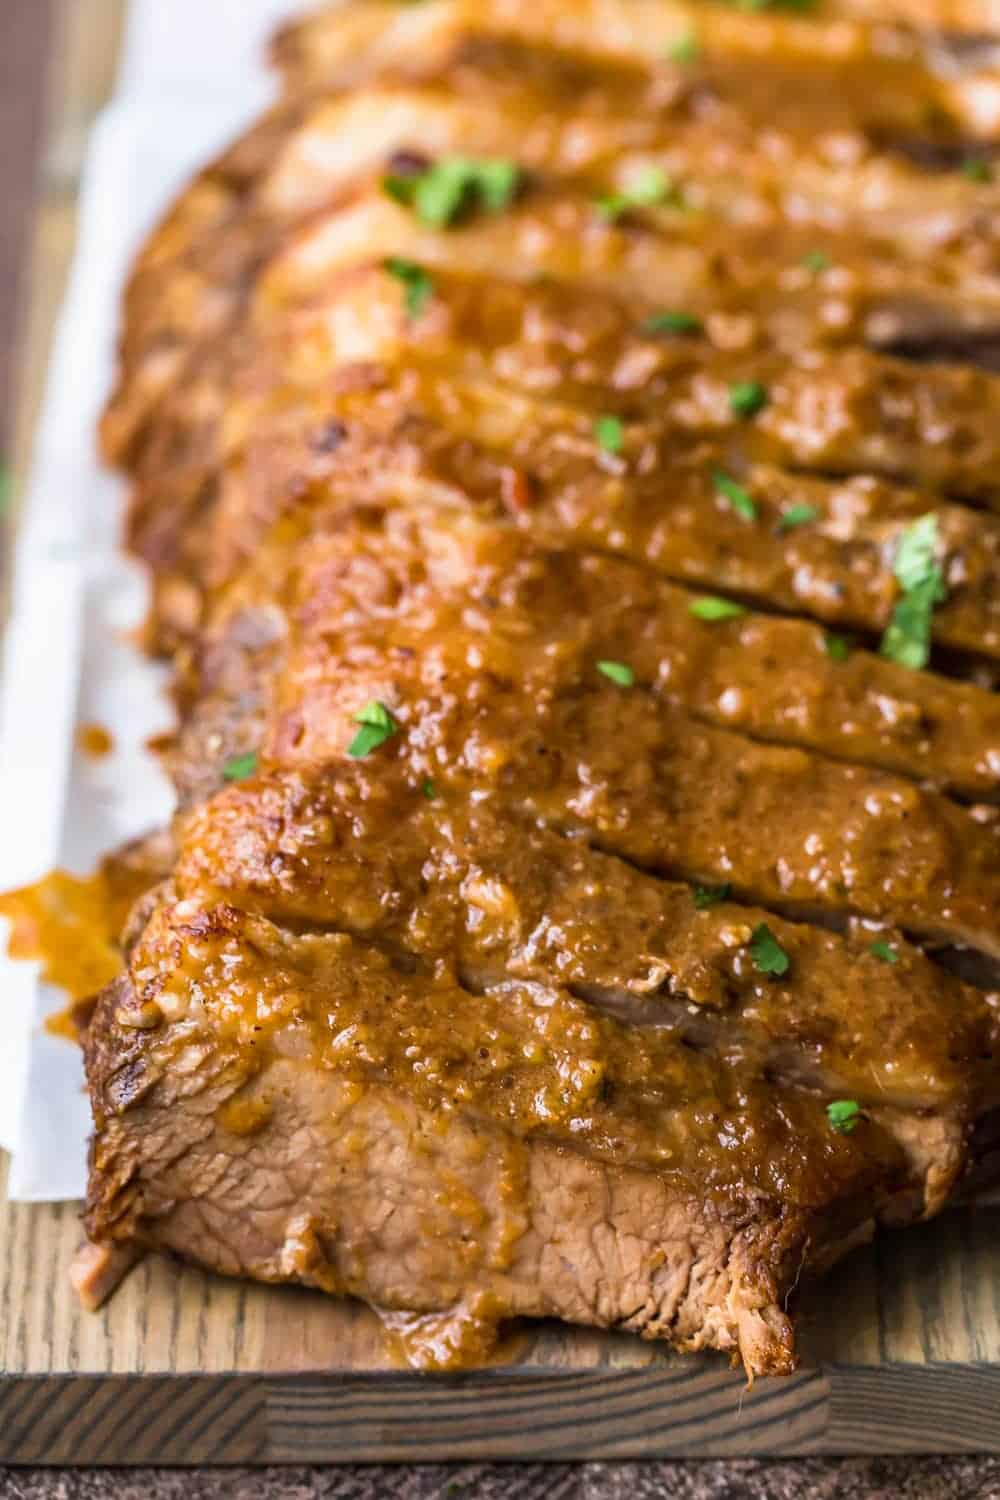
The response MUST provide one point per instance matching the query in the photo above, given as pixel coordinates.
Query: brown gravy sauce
(95, 740)
(73, 925)
(459, 1339)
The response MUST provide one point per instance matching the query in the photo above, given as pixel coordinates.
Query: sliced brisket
(540, 930)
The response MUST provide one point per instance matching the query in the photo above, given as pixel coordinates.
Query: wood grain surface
(902, 1342)
(902, 1349)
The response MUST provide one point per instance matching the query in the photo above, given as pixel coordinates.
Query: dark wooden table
(30, 32)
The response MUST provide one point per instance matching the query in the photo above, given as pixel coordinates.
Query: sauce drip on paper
(67, 922)
(73, 925)
(95, 741)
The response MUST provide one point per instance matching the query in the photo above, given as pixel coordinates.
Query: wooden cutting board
(902, 1343)
(902, 1349)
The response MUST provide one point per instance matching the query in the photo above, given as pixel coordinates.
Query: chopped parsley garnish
(239, 767)
(798, 6)
(456, 185)
(747, 398)
(649, 187)
(419, 286)
(377, 726)
(767, 953)
(429, 790)
(710, 607)
(914, 558)
(797, 515)
(618, 672)
(837, 647)
(705, 896)
(673, 322)
(885, 951)
(908, 637)
(686, 49)
(6, 489)
(610, 434)
(816, 261)
(738, 498)
(843, 1115)
(977, 169)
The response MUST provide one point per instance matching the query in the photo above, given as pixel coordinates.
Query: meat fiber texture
(570, 911)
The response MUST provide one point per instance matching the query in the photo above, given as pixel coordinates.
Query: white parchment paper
(193, 74)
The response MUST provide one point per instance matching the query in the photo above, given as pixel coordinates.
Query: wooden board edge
(132, 1419)
(704, 1411)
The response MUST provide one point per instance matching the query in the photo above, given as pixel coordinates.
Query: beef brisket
(550, 922)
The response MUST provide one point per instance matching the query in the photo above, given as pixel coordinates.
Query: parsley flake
(419, 286)
(686, 49)
(908, 637)
(977, 169)
(816, 261)
(885, 951)
(673, 322)
(914, 558)
(747, 398)
(455, 185)
(618, 672)
(429, 790)
(6, 489)
(737, 497)
(797, 515)
(797, 6)
(610, 434)
(837, 647)
(239, 767)
(377, 726)
(648, 188)
(705, 896)
(710, 607)
(767, 953)
(843, 1115)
